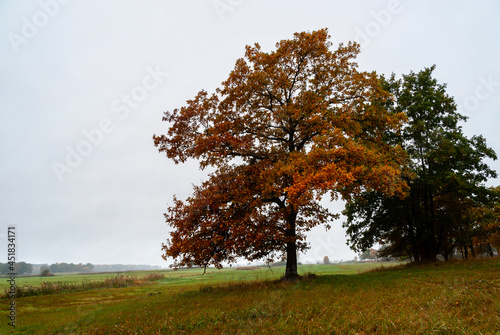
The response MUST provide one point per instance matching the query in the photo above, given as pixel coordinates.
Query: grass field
(455, 298)
(71, 278)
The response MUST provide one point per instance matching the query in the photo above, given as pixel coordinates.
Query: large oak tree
(285, 129)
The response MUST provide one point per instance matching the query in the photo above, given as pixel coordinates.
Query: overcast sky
(84, 84)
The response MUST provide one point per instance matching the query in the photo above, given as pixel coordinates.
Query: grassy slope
(457, 298)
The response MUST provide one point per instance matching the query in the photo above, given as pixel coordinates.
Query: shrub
(47, 288)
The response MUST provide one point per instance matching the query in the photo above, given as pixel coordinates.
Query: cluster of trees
(368, 254)
(67, 267)
(22, 268)
(447, 206)
(291, 126)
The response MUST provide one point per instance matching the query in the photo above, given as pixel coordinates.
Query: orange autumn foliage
(286, 128)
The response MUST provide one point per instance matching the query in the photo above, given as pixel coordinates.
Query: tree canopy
(446, 175)
(286, 128)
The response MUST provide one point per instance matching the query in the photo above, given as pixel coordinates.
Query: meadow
(460, 297)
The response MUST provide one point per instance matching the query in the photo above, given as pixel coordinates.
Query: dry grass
(58, 287)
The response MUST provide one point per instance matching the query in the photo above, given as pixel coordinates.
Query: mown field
(461, 297)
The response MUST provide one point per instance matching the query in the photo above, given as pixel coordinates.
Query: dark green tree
(445, 174)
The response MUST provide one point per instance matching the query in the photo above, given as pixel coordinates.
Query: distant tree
(44, 267)
(326, 260)
(4, 268)
(368, 254)
(24, 268)
(384, 253)
(286, 128)
(56, 268)
(280, 263)
(45, 272)
(445, 174)
(87, 267)
(70, 267)
(21, 268)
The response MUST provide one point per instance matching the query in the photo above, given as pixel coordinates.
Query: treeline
(21, 268)
(67, 267)
(123, 267)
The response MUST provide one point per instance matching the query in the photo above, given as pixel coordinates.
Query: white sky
(67, 67)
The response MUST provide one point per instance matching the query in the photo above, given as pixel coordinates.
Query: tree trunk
(428, 242)
(490, 250)
(291, 262)
(411, 233)
(472, 251)
(291, 249)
